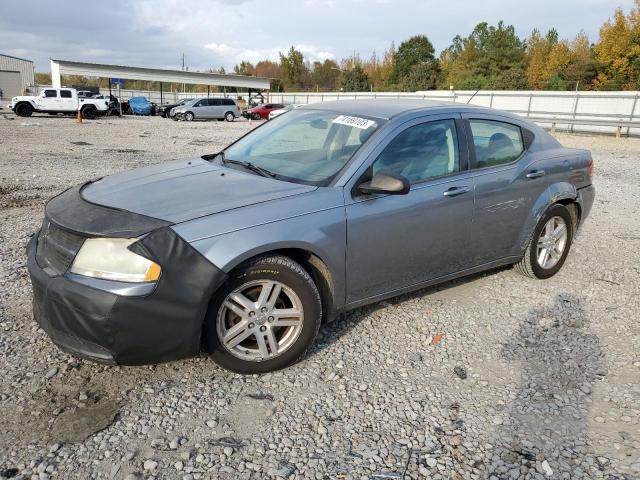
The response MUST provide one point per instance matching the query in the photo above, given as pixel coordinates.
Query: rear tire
(553, 233)
(229, 117)
(24, 110)
(282, 310)
(89, 112)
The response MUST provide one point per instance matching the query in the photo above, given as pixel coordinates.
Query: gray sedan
(243, 253)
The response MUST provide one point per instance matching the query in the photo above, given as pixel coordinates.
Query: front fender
(322, 233)
(553, 194)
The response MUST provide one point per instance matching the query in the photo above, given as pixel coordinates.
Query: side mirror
(386, 183)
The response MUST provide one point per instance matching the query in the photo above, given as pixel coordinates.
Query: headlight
(108, 258)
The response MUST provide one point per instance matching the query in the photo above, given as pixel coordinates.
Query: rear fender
(555, 193)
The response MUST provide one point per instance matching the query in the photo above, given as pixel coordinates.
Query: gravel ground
(495, 376)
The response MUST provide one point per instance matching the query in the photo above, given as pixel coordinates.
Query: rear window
(496, 143)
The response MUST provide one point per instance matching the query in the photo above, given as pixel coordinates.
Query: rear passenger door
(506, 184)
(67, 102)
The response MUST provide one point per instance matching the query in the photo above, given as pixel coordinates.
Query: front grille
(56, 248)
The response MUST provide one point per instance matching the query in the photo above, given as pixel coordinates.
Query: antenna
(469, 101)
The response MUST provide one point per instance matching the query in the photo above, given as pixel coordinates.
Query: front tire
(24, 110)
(264, 318)
(256, 116)
(549, 245)
(189, 116)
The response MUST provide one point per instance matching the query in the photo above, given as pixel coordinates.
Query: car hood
(184, 190)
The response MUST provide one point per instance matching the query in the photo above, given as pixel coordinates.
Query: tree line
(490, 57)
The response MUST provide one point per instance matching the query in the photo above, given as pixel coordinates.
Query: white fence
(601, 111)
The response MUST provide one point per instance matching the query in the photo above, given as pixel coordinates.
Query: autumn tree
(618, 50)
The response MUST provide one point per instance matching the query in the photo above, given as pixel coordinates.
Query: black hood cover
(72, 212)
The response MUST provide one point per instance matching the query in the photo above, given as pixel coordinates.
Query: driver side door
(395, 242)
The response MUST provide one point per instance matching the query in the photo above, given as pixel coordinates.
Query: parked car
(58, 100)
(274, 113)
(165, 110)
(261, 111)
(244, 252)
(208, 108)
(89, 94)
(141, 106)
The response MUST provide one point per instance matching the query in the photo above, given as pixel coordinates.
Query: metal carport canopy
(68, 67)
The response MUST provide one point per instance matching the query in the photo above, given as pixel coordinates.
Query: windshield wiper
(249, 166)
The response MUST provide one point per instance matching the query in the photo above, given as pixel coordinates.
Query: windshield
(304, 146)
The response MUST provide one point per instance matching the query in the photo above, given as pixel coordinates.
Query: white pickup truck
(59, 100)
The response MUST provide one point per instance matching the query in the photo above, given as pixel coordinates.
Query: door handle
(455, 191)
(536, 174)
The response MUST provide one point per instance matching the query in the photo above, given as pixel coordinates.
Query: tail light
(590, 168)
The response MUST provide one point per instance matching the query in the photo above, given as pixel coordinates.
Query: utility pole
(183, 90)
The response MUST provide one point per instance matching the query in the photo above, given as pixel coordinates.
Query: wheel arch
(310, 260)
(563, 193)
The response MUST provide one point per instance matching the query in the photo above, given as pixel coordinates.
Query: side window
(228, 101)
(50, 93)
(65, 93)
(421, 152)
(216, 101)
(200, 103)
(496, 143)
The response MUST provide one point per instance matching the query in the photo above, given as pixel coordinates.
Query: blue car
(140, 106)
(244, 252)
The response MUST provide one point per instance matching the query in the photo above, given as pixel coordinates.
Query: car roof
(385, 108)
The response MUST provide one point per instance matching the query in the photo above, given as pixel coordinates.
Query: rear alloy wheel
(550, 244)
(264, 318)
(189, 116)
(24, 110)
(229, 117)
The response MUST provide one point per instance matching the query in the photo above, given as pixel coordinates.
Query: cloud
(214, 33)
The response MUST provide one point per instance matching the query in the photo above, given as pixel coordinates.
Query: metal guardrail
(593, 112)
(617, 124)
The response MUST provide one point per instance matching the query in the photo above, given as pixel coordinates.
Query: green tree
(292, 68)
(244, 68)
(417, 50)
(482, 59)
(355, 80)
(325, 75)
(422, 76)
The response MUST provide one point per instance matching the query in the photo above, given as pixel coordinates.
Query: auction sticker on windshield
(356, 122)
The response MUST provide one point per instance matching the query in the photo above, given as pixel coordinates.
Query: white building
(16, 74)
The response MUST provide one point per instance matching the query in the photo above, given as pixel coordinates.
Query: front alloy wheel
(260, 320)
(264, 318)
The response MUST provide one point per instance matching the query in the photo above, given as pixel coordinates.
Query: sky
(221, 33)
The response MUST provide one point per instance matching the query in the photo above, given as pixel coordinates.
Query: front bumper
(116, 328)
